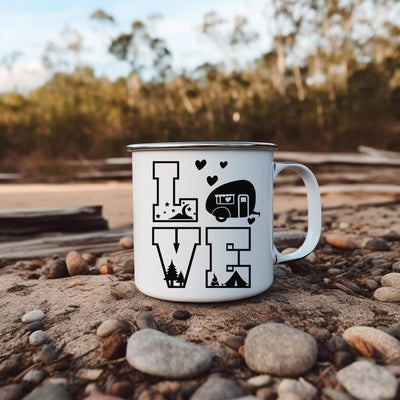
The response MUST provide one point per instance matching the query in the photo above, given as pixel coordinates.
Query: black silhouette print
(200, 164)
(212, 179)
(227, 270)
(176, 260)
(167, 208)
(235, 199)
(223, 164)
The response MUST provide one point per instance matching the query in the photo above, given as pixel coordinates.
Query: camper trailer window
(223, 199)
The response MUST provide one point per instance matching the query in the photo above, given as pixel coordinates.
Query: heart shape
(250, 220)
(200, 164)
(212, 179)
(223, 164)
(228, 198)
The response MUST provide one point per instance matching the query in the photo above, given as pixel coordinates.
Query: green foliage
(343, 92)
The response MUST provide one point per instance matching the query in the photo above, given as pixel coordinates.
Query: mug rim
(202, 146)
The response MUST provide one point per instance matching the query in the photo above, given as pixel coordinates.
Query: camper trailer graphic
(235, 199)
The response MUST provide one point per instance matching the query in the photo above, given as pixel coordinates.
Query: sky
(28, 26)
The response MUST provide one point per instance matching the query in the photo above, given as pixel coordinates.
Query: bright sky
(27, 26)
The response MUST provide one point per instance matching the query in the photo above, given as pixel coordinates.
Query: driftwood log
(17, 223)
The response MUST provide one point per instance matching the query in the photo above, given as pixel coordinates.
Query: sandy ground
(116, 198)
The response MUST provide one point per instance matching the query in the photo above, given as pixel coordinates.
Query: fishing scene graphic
(227, 246)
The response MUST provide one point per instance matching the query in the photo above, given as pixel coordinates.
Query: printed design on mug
(176, 249)
(235, 199)
(226, 268)
(167, 208)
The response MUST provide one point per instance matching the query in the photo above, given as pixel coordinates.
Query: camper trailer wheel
(221, 214)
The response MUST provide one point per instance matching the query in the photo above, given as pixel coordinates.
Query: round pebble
(48, 392)
(37, 338)
(378, 245)
(260, 380)
(89, 258)
(396, 266)
(279, 349)
(392, 279)
(366, 381)
(156, 353)
(301, 388)
(34, 326)
(57, 269)
(126, 243)
(76, 265)
(107, 327)
(386, 293)
(383, 345)
(341, 359)
(340, 241)
(333, 394)
(217, 388)
(145, 320)
(33, 316)
(48, 354)
(35, 376)
(106, 269)
(114, 346)
(181, 314)
(371, 284)
(122, 388)
(13, 391)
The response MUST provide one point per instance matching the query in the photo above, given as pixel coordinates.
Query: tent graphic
(235, 281)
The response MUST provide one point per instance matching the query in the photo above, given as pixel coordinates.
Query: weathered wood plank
(34, 221)
(97, 242)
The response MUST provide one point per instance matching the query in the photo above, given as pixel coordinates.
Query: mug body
(203, 219)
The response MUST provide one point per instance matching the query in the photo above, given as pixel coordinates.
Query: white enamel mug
(203, 219)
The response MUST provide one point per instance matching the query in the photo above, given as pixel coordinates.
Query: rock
(34, 326)
(341, 359)
(57, 269)
(37, 338)
(106, 269)
(89, 258)
(114, 346)
(48, 354)
(108, 326)
(378, 245)
(301, 388)
(156, 353)
(49, 392)
(12, 392)
(10, 366)
(365, 338)
(217, 389)
(122, 389)
(396, 266)
(145, 320)
(333, 394)
(260, 380)
(279, 349)
(234, 342)
(394, 330)
(90, 374)
(181, 315)
(386, 293)
(337, 343)
(319, 334)
(371, 284)
(392, 279)
(366, 381)
(126, 243)
(340, 241)
(266, 393)
(290, 238)
(312, 258)
(76, 265)
(99, 396)
(35, 376)
(32, 316)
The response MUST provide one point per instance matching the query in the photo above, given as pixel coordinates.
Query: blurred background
(79, 80)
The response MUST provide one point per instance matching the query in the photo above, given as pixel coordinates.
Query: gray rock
(396, 266)
(279, 349)
(291, 238)
(57, 269)
(371, 284)
(146, 320)
(32, 316)
(333, 394)
(37, 338)
(367, 381)
(108, 326)
(156, 353)
(10, 366)
(301, 388)
(12, 392)
(34, 326)
(49, 392)
(378, 245)
(35, 376)
(48, 354)
(260, 380)
(217, 389)
(388, 294)
(385, 346)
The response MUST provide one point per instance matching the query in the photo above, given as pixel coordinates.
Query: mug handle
(314, 211)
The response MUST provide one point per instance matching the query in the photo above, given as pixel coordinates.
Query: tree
(172, 275)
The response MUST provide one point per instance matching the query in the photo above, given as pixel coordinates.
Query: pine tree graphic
(181, 279)
(172, 275)
(214, 281)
